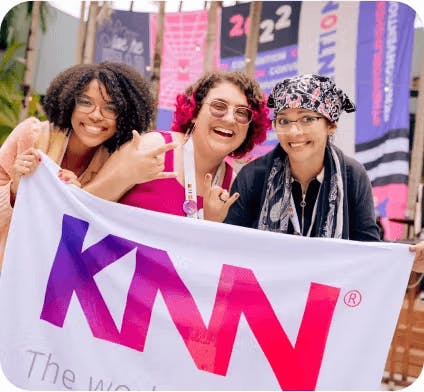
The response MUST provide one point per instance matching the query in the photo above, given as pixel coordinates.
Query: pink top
(166, 195)
(34, 133)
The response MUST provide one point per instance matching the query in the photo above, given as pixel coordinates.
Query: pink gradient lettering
(296, 367)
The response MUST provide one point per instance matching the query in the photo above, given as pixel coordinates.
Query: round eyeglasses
(84, 105)
(283, 125)
(242, 114)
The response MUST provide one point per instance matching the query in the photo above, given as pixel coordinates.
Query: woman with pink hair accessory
(222, 114)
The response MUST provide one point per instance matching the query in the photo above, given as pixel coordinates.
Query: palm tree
(11, 95)
(14, 93)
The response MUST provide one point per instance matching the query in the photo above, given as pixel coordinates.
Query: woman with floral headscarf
(306, 185)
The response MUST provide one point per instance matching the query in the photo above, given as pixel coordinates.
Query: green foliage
(11, 21)
(5, 30)
(11, 95)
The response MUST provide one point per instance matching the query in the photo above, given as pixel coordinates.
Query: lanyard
(190, 202)
(295, 219)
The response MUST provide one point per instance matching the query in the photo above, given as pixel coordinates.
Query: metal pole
(416, 169)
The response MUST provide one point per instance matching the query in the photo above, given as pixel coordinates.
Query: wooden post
(155, 78)
(416, 169)
(252, 37)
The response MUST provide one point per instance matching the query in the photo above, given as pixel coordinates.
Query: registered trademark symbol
(352, 298)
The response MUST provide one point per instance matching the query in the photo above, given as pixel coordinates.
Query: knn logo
(238, 291)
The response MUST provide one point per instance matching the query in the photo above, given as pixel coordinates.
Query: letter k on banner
(106, 296)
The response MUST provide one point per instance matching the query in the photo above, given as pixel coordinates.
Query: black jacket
(358, 216)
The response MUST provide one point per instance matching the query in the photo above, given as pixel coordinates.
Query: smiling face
(304, 142)
(220, 136)
(93, 129)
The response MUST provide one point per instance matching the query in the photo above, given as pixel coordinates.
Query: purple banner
(125, 38)
(384, 55)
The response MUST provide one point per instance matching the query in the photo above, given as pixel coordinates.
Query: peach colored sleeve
(21, 138)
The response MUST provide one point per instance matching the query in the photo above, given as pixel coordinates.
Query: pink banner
(390, 202)
(183, 52)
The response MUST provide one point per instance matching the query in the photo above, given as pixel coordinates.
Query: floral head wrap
(312, 92)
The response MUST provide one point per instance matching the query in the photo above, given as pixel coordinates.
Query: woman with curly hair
(222, 114)
(91, 111)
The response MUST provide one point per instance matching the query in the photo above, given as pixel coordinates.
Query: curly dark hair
(126, 86)
(188, 105)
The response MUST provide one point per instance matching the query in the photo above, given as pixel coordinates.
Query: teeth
(226, 131)
(294, 145)
(92, 129)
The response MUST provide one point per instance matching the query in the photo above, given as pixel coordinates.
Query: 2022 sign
(278, 27)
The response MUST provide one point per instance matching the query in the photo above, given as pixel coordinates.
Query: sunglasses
(242, 114)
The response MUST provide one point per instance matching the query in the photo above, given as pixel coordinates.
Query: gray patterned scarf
(275, 213)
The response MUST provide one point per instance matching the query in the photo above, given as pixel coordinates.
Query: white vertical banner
(327, 46)
(101, 296)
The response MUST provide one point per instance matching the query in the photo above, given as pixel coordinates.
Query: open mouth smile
(298, 144)
(223, 132)
(93, 130)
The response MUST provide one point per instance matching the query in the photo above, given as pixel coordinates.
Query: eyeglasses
(282, 124)
(242, 114)
(84, 105)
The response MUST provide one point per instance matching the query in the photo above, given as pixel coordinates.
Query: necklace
(299, 228)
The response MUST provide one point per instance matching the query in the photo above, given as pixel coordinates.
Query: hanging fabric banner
(183, 53)
(105, 296)
(124, 37)
(383, 74)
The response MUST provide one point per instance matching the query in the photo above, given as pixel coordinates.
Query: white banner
(100, 296)
(327, 46)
